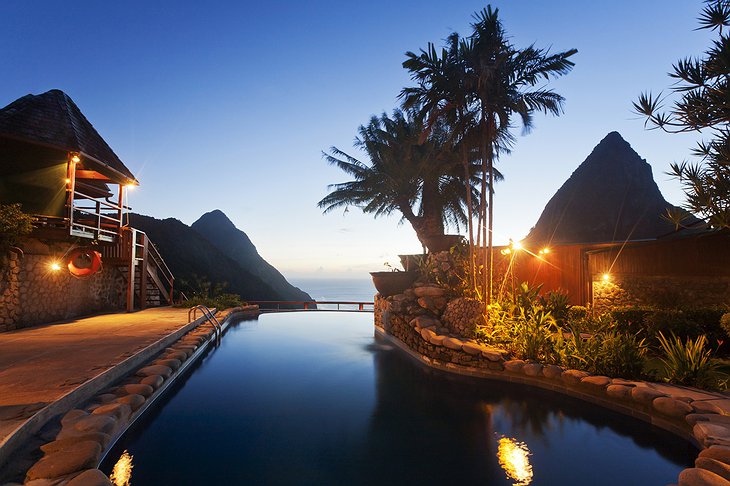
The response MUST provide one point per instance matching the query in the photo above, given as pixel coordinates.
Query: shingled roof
(53, 119)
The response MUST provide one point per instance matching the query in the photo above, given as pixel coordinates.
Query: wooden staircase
(150, 282)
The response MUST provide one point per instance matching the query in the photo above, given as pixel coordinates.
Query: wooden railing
(298, 305)
(136, 248)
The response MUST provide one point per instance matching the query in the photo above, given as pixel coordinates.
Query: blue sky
(228, 105)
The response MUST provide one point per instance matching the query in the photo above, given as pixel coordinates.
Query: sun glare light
(545, 251)
(55, 266)
(130, 187)
(606, 277)
(517, 245)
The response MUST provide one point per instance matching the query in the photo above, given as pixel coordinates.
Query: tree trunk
(470, 217)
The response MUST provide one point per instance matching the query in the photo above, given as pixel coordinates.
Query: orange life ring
(83, 262)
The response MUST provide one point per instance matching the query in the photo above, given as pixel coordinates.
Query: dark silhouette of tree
(420, 178)
(478, 85)
(700, 104)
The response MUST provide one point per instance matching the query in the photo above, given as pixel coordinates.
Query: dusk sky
(228, 105)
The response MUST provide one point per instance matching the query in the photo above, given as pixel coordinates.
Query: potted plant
(412, 263)
(393, 281)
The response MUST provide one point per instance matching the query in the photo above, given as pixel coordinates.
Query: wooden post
(132, 260)
(70, 188)
(143, 274)
(120, 214)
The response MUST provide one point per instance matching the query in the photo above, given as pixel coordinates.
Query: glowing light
(75, 159)
(545, 251)
(68, 181)
(505, 251)
(55, 266)
(129, 187)
(514, 457)
(122, 471)
(517, 245)
(606, 277)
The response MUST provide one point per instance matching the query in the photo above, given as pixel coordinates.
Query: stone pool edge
(135, 393)
(713, 439)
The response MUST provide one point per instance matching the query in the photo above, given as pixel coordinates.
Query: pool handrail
(209, 316)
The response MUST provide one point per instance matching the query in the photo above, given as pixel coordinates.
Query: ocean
(350, 289)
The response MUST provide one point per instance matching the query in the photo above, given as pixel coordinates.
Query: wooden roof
(52, 119)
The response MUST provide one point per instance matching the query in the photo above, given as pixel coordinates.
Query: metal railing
(209, 317)
(297, 305)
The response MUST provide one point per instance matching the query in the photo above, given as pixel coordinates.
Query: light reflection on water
(312, 398)
(514, 457)
(122, 471)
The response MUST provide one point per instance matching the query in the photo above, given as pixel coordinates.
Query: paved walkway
(40, 364)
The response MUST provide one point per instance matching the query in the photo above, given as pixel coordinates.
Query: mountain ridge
(611, 196)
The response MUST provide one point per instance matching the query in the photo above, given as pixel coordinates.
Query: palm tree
(507, 81)
(405, 173)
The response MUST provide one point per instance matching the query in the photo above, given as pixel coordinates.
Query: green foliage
(686, 323)
(608, 352)
(631, 319)
(221, 301)
(689, 362)
(725, 323)
(558, 304)
(701, 92)
(576, 312)
(14, 223)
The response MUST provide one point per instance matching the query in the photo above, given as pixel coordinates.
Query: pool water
(314, 398)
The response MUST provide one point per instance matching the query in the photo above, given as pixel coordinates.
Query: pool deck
(39, 365)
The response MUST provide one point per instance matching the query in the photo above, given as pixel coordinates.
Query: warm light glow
(55, 266)
(505, 251)
(545, 251)
(129, 187)
(75, 159)
(514, 457)
(68, 181)
(606, 277)
(122, 471)
(517, 245)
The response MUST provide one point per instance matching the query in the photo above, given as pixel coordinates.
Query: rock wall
(620, 291)
(31, 293)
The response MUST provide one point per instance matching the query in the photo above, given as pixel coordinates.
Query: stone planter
(411, 263)
(391, 283)
(437, 243)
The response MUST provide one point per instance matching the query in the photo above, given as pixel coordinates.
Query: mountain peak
(216, 217)
(611, 196)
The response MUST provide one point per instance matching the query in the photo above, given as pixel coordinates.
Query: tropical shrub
(686, 323)
(596, 345)
(631, 319)
(220, 302)
(725, 323)
(577, 312)
(557, 303)
(688, 362)
(14, 223)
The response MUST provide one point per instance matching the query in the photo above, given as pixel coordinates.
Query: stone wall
(31, 293)
(667, 292)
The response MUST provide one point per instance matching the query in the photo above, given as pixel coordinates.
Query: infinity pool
(313, 398)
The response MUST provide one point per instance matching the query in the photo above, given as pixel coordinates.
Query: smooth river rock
(701, 477)
(514, 365)
(719, 453)
(453, 343)
(90, 477)
(532, 369)
(161, 370)
(644, 394)
(672, 407)
(573, 377)
(619, 391)
(82, 455)
(134, 401)
(713, 465)
(472, 348)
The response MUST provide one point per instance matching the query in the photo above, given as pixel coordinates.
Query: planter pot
(411, 263)
(391, 283)
(436, 243)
